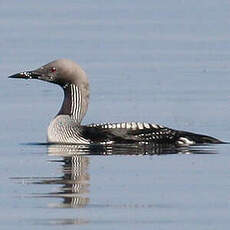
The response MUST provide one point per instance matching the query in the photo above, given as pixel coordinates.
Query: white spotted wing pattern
(138, 131)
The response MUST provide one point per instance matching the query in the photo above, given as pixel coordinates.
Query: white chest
(63, 129)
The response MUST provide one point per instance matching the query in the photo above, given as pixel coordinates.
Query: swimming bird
(66, 126)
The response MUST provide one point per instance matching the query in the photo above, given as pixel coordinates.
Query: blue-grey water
(155, 61)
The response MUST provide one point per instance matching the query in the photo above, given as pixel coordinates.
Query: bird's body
(66, 127)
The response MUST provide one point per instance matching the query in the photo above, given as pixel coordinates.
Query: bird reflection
(75, 182)
(128, 149)
(72, 187)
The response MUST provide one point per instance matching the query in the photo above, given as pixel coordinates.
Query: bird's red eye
(53, 69)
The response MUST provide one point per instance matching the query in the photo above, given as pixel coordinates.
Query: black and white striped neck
(75, 102)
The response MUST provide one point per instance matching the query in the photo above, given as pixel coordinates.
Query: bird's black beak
(26, 75)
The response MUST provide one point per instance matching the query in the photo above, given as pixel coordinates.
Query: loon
(66, 126)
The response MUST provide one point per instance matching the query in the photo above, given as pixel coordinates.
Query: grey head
(60, 71)
(71, 77)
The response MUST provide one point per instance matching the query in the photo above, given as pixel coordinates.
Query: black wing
(133, 132)
(129, 132)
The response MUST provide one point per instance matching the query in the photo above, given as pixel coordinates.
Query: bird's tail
(188, 138)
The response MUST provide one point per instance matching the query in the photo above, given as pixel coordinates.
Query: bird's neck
(75, 103)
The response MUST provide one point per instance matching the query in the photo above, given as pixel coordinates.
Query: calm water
(166, 62)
